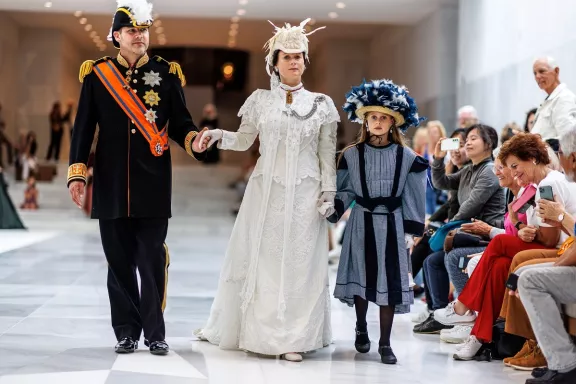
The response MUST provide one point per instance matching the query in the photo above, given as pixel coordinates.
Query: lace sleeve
(329, 112)
(250, 109)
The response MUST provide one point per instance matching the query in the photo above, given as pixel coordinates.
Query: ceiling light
(93, 34)
(234, 26)
(340, 5)
(83, 21)
(78, 13)
(161, 36)
(155, 15)
(158, 23)
(159, 30)
(243, 2)
(162, 42)
(102, 49)
(332, 15)
(233, 32)
(48, 4)
(235, 19)
(88, 27)
(312, 22)
(241, 12)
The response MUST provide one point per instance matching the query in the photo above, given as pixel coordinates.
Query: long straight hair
(394, 136)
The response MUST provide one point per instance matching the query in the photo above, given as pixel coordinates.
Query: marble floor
(54, 315)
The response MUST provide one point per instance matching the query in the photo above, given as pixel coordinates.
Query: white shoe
(457, 335)
(292, 356)
(468, 350)
(419, 317)
(448, 316)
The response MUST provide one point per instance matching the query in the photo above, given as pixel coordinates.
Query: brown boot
(527, 363)
(527, 349)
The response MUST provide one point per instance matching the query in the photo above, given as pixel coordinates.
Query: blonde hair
(396, 136)
(421, 133)
(439, 125)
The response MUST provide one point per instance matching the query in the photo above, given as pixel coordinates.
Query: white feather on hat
(140, 12)
(289, 39)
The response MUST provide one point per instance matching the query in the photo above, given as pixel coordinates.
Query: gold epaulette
(87, 67)
(174, 69)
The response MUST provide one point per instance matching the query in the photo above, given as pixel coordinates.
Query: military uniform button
(136, 71)
(133, 131)
(134, 81)
(133, 122)
(135, 90)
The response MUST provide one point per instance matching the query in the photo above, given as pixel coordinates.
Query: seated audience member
(527, 157)
(441, 269)
(543, 291)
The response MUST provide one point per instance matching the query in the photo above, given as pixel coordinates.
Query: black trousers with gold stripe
(130, 245)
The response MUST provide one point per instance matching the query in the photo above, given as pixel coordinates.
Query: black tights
(386, 319)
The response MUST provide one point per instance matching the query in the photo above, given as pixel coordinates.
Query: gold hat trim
(361, 113)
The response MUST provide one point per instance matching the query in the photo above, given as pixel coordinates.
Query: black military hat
(130, 13)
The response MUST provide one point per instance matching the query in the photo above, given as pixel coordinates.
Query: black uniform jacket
(129, 181)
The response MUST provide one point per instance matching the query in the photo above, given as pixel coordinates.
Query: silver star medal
(152, 78)
(151, 116)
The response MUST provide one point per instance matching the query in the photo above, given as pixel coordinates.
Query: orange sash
(120, 90)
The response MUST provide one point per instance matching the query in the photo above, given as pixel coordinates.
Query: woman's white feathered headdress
(289, 39)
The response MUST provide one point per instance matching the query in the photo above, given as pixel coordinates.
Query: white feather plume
(141, 9)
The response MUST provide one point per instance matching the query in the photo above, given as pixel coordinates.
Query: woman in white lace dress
(273, 295)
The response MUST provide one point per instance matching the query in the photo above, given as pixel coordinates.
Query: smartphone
(450, 144)
(512, 283)
(522, 204)
(546, 193)
(463, 262)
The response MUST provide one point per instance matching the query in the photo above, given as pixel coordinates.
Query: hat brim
(361, 113)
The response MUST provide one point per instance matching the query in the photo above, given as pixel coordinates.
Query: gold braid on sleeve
(77, 171)
(188, 142)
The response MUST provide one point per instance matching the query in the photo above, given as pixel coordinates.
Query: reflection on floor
(54, 315)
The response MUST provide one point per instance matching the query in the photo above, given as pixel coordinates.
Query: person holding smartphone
(527, 157)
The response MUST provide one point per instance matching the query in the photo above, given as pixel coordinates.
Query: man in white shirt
(557, 114)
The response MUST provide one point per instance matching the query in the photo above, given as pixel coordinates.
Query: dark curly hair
(488, 135)
(526, 147)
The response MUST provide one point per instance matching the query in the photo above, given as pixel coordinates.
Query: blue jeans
(457, 276)
(436, 280)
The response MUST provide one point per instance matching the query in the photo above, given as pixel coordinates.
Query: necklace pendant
(289, 97)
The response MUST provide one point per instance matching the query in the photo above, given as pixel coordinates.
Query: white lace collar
(289, 88)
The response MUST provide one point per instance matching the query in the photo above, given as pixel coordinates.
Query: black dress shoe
(146, 343)
(554, 377)
(430, 326)
(539, 372)
(362, 342)
(159, 348)
(387, 355)
(126, 345)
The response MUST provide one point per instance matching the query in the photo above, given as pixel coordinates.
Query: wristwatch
(518, 224)
(561, 217)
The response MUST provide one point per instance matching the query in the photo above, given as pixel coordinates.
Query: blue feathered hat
(382, 96)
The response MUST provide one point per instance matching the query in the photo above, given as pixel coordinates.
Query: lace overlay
(273, 293)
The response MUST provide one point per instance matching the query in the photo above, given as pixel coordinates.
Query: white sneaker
(468, 350)
(457, 335)
(419, 317)
(448, 316)
(293, 357)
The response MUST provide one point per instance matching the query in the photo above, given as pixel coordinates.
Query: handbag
(437, 239)
(463, 240)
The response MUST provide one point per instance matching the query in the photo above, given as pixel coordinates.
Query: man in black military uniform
(132, 98)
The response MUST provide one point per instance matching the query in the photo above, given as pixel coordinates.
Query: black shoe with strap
(126, 345)
(387, 355)
(362, 342)
(159, 348)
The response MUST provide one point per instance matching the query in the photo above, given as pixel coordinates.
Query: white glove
(409, 239)
(214, 135)
(325, 204)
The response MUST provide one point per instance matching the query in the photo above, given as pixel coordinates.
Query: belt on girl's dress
(391, 203)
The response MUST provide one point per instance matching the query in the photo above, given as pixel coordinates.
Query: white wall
(498, 42)
(424, 58)
(8, 67)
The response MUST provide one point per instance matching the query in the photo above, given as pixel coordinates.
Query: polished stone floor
(54, 315)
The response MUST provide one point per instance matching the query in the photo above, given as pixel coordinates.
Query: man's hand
(528, 233)
(549, 211)
(477, 227)
(197, 143)
(209, 137)
(76, 189)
